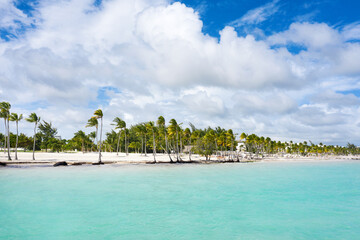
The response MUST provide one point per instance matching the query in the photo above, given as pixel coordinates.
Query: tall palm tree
(16, 118)
(120, 124)
(3, 115)
(151, 126)
(99, 114)
(5, 110)
(141, 132)
(33, 118)
(138, 131)
(144, 132)
(93, 122)
(161, 124)
(125, 140)
(187, 135)
(174, 131)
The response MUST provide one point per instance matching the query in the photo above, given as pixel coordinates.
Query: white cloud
(11, 18)
(336, 100)
(161, 63)
(257, 15)
(200, 102)
(315, 36)
(351, 31)
(264, 103)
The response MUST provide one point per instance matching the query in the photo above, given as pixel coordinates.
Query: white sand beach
(113, 158)
(90, 157)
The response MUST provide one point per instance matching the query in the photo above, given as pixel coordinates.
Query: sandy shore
(113, 158)
(88, 158)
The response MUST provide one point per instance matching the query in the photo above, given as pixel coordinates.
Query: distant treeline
(158, 136)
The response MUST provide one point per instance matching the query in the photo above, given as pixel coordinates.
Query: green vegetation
(156, 137)
(33, 118)
(260, 145)
(16, 118)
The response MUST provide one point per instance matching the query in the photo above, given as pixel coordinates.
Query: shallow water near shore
(287, 200)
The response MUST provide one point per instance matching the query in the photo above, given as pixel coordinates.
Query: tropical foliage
(156, 137)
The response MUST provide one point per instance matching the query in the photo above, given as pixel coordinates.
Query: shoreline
(91, 158)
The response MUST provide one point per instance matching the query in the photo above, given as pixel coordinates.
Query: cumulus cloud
(154, 59)
(264, 103)
(336, 100)
(316, 36)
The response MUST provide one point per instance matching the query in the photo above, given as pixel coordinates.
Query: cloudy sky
(284, 69)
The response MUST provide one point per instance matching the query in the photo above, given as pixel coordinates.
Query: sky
(289, 70)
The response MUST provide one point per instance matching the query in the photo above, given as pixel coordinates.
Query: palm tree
(99, 114)
(16, 118)
(3, 115)
(138, 131)
(174, 131)
(81, 136)
(187, 135)
(93, 122)
(33, 118)
(92, 136)
(141, 132)
(5, 110)
(151, 126)
(144, 132)
(47, 132)
(120, 124)
(161, 125)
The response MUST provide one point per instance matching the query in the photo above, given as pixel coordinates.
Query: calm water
(228, 201)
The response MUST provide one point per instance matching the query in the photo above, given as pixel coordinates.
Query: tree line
(153, 137)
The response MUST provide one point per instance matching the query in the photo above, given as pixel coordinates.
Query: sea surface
(290, 200)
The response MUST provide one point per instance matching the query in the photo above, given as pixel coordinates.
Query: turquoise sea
(302, 200)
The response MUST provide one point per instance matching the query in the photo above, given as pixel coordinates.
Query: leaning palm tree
(151, 126)
(16, 118)
(33, 118)
(161, 124)
(174, 131)
(125, 140)
(93, 122)
(5, 110)
(3, 115)
(99, 114)
(119, 124)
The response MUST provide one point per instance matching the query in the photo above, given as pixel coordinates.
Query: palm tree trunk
(97, 142)
(154, 146)
(100, 140)
(17, 138)
(180, 145)
(167, 145)
(177, 145)
(117, 149)
(5, 140)
(126, 148)
(145, 145)
(142, 145)
(9, 157)
(166, 141)
(34, 141)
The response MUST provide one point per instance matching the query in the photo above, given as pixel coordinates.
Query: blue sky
(284, 69)
(217, 14)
